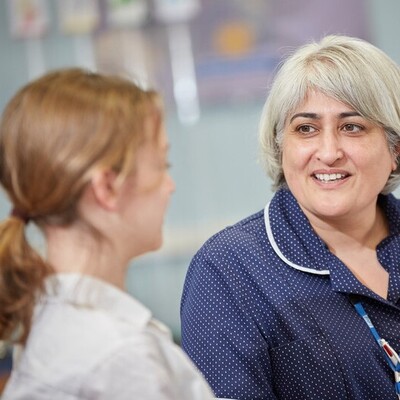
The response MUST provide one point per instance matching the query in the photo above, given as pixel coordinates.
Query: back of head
(53, 134)
(347, 69)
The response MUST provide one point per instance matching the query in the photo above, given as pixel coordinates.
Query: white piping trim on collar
(279, 253)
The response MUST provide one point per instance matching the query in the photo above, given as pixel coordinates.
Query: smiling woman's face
(335, 162)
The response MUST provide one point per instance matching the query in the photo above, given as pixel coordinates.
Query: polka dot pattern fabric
(266, 313)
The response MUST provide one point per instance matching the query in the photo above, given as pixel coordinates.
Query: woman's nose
(330, 148)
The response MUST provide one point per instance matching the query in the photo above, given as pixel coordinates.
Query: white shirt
(90, 340)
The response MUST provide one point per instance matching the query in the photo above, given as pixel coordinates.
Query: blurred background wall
(213, 61)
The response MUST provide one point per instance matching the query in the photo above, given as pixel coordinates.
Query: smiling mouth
(326, 178)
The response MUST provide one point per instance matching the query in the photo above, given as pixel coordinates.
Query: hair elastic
(17, 213)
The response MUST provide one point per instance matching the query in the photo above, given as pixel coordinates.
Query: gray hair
(347, 69)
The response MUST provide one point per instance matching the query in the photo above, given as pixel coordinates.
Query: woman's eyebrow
(305, 115)
(317, 116)
(349, 114)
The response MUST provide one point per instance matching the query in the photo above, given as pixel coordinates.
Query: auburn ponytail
(22, 274)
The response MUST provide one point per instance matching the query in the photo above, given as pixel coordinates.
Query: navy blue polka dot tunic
(266, 312)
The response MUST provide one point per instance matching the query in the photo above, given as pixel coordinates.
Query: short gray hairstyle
(347, 69)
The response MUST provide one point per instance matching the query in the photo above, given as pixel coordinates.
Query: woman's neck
(76, 250)
(364, 230)
(354, 240)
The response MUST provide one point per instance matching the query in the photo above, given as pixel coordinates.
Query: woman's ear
(104, 184)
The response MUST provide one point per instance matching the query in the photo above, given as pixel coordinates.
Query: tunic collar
(295, 243)
(292, 236)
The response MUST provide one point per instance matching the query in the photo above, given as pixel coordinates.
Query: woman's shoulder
(144, 364)
(147, 366)
(237, 241)
(250, 228)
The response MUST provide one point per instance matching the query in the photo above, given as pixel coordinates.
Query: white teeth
(329, 177)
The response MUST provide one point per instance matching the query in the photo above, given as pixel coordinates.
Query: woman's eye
(306, 129)
(352, 128)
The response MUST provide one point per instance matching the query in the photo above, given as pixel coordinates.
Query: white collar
(278, 251)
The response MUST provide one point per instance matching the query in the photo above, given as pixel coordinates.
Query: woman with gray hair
(302, 299)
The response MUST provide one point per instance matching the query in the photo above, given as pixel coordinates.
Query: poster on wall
(239, 44)
(235, 45)
(78, 16)
(28, 18)
(126, 13)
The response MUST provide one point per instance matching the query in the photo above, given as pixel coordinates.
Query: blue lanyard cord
(390, 354)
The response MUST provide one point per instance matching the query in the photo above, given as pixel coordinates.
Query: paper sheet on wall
(126, 13)
(28, 18)
(78, 16)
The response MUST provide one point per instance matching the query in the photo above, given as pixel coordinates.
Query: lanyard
(391, 356)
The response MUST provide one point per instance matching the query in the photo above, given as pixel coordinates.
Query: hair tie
(17, 213)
